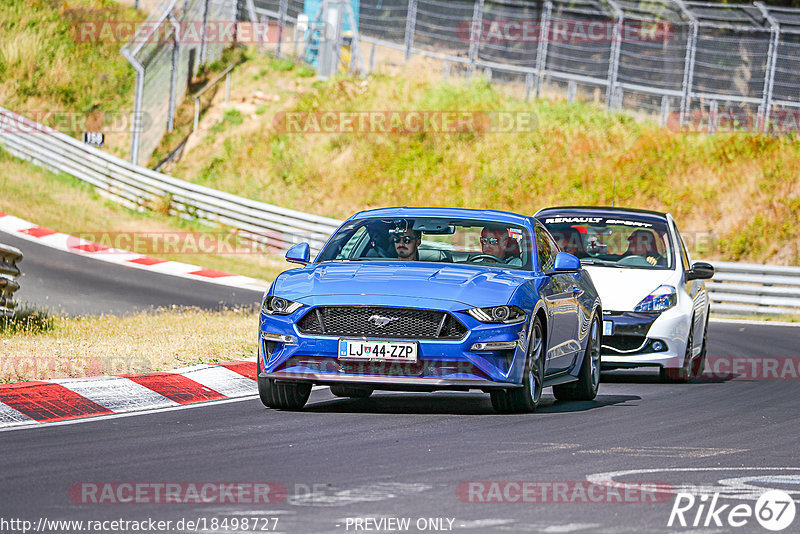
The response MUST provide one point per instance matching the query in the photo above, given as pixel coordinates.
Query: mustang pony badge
(380, 321)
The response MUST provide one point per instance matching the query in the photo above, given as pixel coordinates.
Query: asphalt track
(76, 285)
(406, 455)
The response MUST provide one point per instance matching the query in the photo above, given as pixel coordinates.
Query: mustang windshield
(429, 239)
(623, 241)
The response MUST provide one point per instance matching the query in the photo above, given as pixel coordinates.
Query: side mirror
(300, 253)
(700, 271)
(567, 262)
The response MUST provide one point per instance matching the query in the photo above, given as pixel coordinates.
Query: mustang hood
(471, 286)
(623, 289)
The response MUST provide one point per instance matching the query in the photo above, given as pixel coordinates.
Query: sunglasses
(489, 241)
(405, 239)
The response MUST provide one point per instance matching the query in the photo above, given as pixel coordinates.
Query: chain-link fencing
(697, 65)
(166, 52)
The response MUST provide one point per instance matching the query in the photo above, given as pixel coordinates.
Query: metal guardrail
(746, 288)
(141, 188)
(9, 272)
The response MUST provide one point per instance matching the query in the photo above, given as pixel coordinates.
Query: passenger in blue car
(407, 244)
(497, 242)
(380, 241)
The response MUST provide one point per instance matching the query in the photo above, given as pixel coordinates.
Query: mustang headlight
(663, 298)
(279, 306)
(498, 314)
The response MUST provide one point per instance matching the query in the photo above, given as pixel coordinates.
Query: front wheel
(282, 395)
(589, 375)
(699, 365)
(525, 399)
(686, 370)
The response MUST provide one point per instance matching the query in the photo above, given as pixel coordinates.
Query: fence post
(528, 85)
(613, 59)
(688, 62)
(284, 7)
(137, 104)
(541, 51)
(204, 40)
(173, 79)
(228, 87)
(712, 116)
(572, 88)
(475, 27)
(664, 110)
(411, 24)
(772, 60)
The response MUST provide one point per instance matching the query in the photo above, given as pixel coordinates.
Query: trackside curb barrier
(61, 399)
(9, 272)
(141, 188)
(747, 288)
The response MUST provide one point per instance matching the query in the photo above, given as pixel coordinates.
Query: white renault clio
(655, 305)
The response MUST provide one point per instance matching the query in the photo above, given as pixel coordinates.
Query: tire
(683, 373)
(356, 392)
(282, 395)
(699, 365)
(525, 399)
(589, 375)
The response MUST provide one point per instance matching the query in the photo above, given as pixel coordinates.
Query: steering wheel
(485, 257)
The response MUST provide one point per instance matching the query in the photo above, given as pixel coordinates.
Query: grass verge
(49, 73)
(105, 345)
(71, 206)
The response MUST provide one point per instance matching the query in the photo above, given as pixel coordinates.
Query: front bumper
(288, 354)
(644, 339)
(389, 382)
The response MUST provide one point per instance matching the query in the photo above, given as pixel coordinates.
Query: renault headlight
(279, 306)
(663, 298)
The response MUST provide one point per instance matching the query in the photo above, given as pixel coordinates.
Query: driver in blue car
(497, 242)
(406, 244)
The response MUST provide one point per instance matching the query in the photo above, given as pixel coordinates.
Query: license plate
(387, 351)
(608, 328)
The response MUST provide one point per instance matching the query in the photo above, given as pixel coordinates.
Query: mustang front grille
(381, 322)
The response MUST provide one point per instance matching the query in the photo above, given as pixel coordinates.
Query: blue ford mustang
(424, 299)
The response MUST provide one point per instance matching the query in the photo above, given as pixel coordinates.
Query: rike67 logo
(774, 510)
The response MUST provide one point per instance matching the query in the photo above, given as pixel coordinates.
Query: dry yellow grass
(107, 345)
